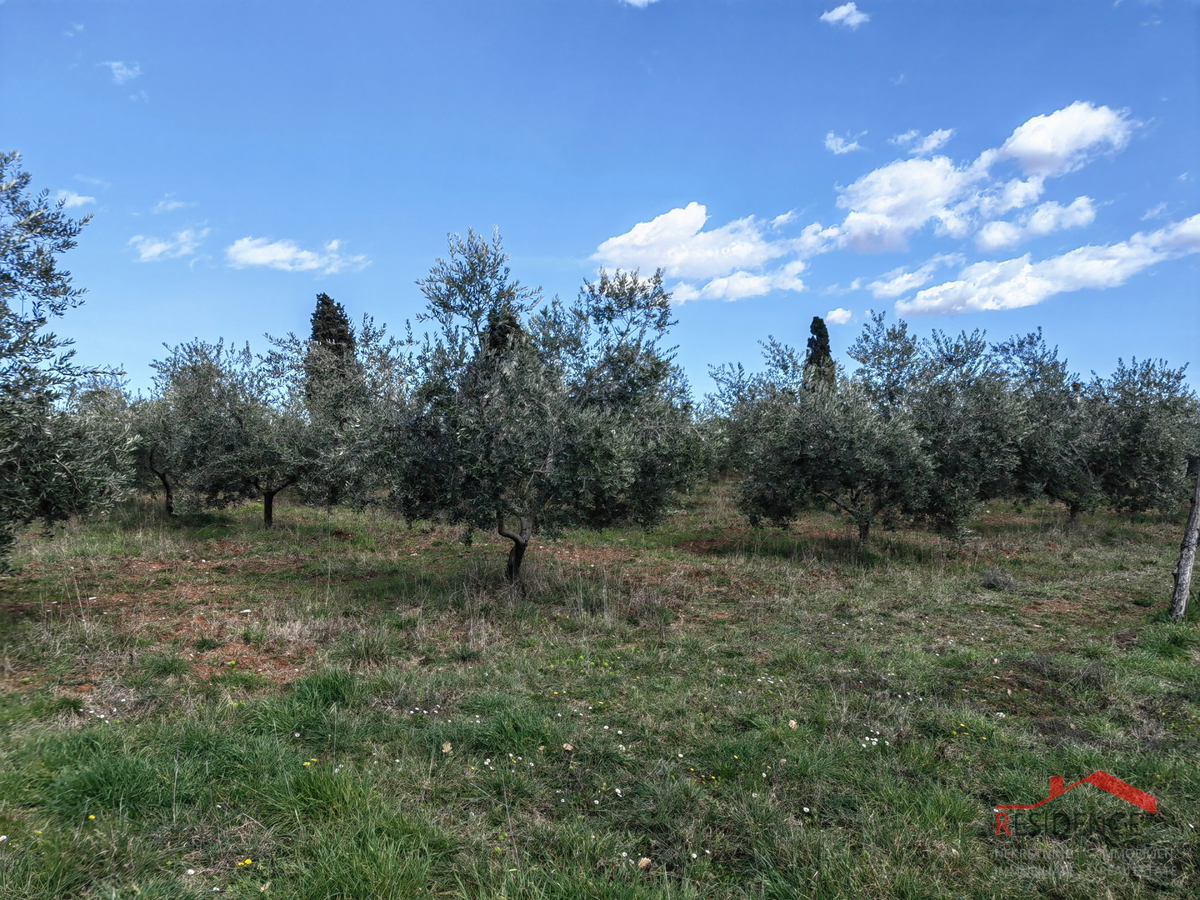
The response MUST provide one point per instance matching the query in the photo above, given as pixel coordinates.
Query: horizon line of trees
(518, 414)
(924, 432)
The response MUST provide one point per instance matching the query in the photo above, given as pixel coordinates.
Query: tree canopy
(51, 465)
(529, 419)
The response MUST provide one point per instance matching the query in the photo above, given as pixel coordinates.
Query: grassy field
(346, 707)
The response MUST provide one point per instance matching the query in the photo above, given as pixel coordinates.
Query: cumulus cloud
(1064, 140)
(919, 145)
(1017, 193)
(676, 242)
(741, 285)
(1045, 219)
(838, 316)
(1014, 283)
(123, 73)
(640, 4)
(184, 243)
(288, 256)
(888, 204)
(734, 260)
(840, 145)
(901, 281)
(847, 14)
(70, 199)
(885, 207)
(816, 238)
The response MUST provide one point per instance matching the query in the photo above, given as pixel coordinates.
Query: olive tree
(814, 438)
(1059, 450)
(348, 390)
(957, 395)
(525, 420)
(228, 431)
(51, 467)
(1149, 423)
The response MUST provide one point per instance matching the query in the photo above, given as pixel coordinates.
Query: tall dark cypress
(335, 389)
(331, 368)
(818, 362)
(331, 327)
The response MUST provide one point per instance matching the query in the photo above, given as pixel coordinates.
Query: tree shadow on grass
(823, 547)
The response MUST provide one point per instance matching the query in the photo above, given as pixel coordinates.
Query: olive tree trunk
(269, 501)
(170, 494)
(520, 540)
(1187, 557)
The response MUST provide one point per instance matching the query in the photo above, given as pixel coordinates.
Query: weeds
(702, 711)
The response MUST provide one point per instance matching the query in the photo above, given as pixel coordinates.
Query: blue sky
(998, 165)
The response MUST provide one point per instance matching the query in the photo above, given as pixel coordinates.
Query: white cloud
(1046, 219)
(887, 205)
(918, 145)
(166, 204)
(70, 199)
(884, 208)
(1015, 194)
(1155, 212)
(286, 255)
(184, 243)
(76, 28)
(122, 73)
(640, 4)
(741, 285)
(1064, 140)
(733, 261)
(676, 242)
(838, 316)
(840, 145)
(1014, 283)
(815, 238)
(901, 281)
(847, 14)
(890, 203)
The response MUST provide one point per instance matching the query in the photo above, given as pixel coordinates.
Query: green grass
(757, 714)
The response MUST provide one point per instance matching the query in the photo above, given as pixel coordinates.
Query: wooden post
(1187, 557)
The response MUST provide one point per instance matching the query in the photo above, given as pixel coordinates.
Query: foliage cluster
(60, 453)
(523, 415)
(929, 430)
(510, 413)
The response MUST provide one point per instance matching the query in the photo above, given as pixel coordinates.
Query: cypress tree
(335, 391)
(330, 365)
(818, 362)
(331, 327)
